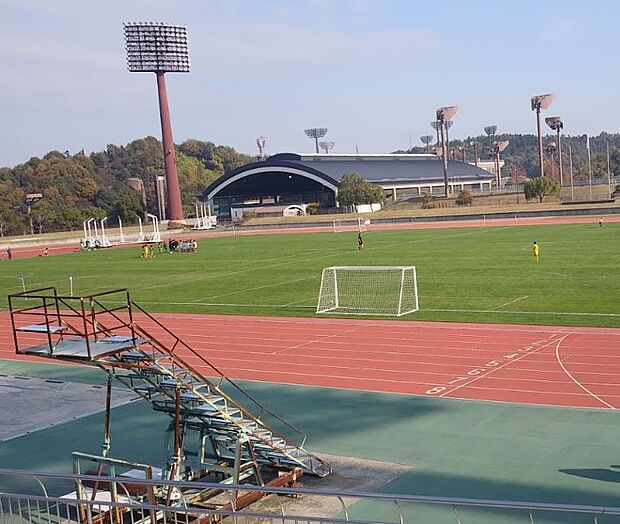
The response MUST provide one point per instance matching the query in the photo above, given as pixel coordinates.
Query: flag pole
(570, 160)
(589, 165)
(608, 170)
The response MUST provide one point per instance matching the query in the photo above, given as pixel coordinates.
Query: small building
(292, 178)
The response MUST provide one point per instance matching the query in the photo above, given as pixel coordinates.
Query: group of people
(87, 245)
(172, 246)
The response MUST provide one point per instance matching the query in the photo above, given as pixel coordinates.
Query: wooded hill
(521, 155)
(76, 187)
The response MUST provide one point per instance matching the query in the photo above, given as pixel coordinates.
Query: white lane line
(557, 356)
(320, 339)
(512, 301)
(533, 350)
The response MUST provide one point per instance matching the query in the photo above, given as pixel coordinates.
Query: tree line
(76, 187)
(521, 155)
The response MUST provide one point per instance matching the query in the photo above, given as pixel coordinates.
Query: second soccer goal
(368, 290)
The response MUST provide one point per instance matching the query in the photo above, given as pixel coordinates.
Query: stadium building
(287, 180)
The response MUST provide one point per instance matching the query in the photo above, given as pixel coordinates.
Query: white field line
(559, 313)
(512, 301)
(557, 356)
(274, 284)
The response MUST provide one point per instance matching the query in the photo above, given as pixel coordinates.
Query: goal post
(368, 290)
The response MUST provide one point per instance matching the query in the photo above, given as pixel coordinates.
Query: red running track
(560, 366)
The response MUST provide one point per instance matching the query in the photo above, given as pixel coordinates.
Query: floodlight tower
(495, 150)
(316, 133)
(556, 123)
(261, 141)
(490, 131)
(160, 48)
(435, 126)
(327, 146)
(426, 140)
(550, 149)
(540, 102)
(444, 114)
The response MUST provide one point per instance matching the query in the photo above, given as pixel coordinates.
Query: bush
(313, 208)
(428, 202)
(464, 198)
(248, 214)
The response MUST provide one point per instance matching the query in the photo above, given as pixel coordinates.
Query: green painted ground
(483, 274)
(458, 448)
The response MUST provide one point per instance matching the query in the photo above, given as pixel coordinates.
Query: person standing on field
(536, 251)
(360, 241)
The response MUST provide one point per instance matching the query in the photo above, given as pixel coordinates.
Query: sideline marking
(512, 301)
(557, 356)
(522, 312)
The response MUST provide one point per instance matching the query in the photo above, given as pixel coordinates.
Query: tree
(354, 190)
(464, 198)
(428, 202)
(540, 187)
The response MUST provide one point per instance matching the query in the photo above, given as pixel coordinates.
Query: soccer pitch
(464, 274)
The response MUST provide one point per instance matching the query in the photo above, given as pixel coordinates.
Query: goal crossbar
(368, 290)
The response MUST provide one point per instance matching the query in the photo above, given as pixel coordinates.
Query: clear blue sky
(373, 72)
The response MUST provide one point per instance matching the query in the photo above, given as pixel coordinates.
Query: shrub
(428, 202)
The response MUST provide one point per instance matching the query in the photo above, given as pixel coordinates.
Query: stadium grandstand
(292, 178)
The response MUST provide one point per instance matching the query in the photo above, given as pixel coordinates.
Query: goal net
(368, 290)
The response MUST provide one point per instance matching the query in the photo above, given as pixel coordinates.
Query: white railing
(121, 504)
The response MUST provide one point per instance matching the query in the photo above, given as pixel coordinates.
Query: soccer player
(535, 251)
(600, 222)
(360, 241)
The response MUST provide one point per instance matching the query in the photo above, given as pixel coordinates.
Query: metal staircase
(216, 428)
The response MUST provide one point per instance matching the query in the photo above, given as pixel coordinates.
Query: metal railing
(129, 501)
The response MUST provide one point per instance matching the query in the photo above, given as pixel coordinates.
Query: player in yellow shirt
(536, 251)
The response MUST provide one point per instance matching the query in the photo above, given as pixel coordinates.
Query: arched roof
(270, 165)
(328, 169)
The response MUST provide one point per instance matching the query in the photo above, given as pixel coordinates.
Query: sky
(372, 71)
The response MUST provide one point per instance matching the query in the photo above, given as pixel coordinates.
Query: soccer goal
(368, 290)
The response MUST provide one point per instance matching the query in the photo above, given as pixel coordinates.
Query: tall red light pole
(160, 48)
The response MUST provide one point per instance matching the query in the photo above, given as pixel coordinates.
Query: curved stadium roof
(328, 169)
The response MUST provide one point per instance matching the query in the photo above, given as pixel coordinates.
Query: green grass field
(468, 274)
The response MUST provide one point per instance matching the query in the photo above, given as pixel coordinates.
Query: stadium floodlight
(490, 132)
(261, 141)
(426, 140)
(327, 146)
(540, 102)
(316, 133)
(556, 123)
(495, 150)
(443, 116)
(161, 48)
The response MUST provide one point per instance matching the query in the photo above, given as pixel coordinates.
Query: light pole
(444, 114)
(316, 133)
(327, 146)
(495, 150)
(490, 132)
(261, 141)
(608, 170)
(426, 140)
(435, 126)
(540, 102)
(550, 150)
(462, 151)
(475, 148)
(555, 123)
(160, 49)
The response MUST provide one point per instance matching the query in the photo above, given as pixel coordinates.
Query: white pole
(515, 219)
(589, 167)
(103, 237)
(141, 232)
(120, 225)
(21, 277)
(84, 225)
(608, 170)
(71, 285)
(570, 160)
(484, 220)
(95, 227)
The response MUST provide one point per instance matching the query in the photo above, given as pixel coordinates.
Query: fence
(131, 500)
